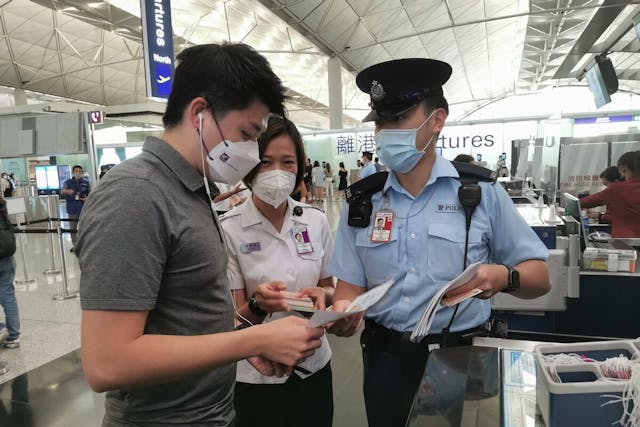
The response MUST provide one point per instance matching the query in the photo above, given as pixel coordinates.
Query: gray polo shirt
(149, 241)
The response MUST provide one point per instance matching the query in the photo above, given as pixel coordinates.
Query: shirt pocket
(445, 257)
(380, 259)
(316, 255)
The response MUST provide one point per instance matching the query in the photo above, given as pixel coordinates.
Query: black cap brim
(373, 114)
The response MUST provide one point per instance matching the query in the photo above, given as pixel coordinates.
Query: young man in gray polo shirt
(157, 317)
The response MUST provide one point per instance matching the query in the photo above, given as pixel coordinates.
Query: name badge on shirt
(382, 223)
(247, 248)
(301, 239)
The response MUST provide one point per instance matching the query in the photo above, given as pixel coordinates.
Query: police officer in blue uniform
(428, 242)
(76, 189)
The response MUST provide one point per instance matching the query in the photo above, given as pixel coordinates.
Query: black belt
(379, 335)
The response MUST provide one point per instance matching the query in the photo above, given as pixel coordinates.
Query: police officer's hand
(317, 295)
(289, 341)
(269, 297)
(347, 326)
(490, 279)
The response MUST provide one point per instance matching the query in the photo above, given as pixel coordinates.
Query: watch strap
(513, 279)
(254, 307)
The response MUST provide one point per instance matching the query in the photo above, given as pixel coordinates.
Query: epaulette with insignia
(474, 173)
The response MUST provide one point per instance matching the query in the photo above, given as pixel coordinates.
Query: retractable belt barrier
(60, 294)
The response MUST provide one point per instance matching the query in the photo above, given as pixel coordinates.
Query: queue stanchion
(65, 294)
(26, 280)
(52, 261)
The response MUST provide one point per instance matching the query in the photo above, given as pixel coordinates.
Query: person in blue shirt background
(76, 190)
(369, 168)
(426, 246)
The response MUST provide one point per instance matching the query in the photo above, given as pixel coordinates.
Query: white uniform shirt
(258, 253)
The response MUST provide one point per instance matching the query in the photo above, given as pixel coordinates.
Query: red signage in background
(95, 117)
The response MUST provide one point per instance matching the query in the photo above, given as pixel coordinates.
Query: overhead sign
(95, 117)
(606, 119)
(157, 39)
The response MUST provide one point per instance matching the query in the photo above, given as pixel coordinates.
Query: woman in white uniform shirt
(265, 258)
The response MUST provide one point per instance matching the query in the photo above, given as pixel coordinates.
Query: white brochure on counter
(429, 313)
(360, 304)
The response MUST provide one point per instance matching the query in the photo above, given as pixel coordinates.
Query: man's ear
(195, 110)
(440, 117)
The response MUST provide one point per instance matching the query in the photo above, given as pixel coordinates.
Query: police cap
(397, 86)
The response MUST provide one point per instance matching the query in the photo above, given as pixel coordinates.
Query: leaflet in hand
(429, 313)
(360, 304)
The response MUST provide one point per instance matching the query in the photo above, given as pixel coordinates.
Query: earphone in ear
(200, 115)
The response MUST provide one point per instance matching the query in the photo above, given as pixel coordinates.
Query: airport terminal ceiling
(91, 51)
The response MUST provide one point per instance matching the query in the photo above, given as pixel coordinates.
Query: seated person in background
(622, 198)
(275, 243)
(464, 158)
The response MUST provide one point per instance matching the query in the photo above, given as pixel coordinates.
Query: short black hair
(464, 158)
(76, 166)
(611, 174)
(631, 160)
(279, 126)
(368, 155)
(434, 102)
(230, 77)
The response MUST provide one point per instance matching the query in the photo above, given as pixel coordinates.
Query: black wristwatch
(254, 307)
(514, 280)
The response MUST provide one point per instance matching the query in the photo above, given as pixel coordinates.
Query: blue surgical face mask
(397, 147)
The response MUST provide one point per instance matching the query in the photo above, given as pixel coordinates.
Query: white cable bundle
(617, 367)
(555, 360)
(630, 399)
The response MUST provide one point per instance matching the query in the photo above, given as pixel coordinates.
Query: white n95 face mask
(230, 161)
(273, 187)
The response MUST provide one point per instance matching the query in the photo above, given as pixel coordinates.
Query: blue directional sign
(157, 39)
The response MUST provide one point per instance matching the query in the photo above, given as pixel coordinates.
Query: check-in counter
(600, 304)
(499, 382)
(607, 306)
(473, 386)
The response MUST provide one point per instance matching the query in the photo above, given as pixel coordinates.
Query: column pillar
(334, 71)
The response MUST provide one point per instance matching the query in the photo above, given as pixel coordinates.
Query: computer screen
(597, 86)
(47, 177)
(572, 208)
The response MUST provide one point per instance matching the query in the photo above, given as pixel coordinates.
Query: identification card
(301, 239)
(247, 248)
(382, 224)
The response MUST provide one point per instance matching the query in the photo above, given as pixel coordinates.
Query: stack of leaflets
(422, 328)
(298, 303)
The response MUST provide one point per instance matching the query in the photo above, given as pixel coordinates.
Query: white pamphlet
(360, 304)
(429, 313)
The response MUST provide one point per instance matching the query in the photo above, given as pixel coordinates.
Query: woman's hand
(269, 297)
